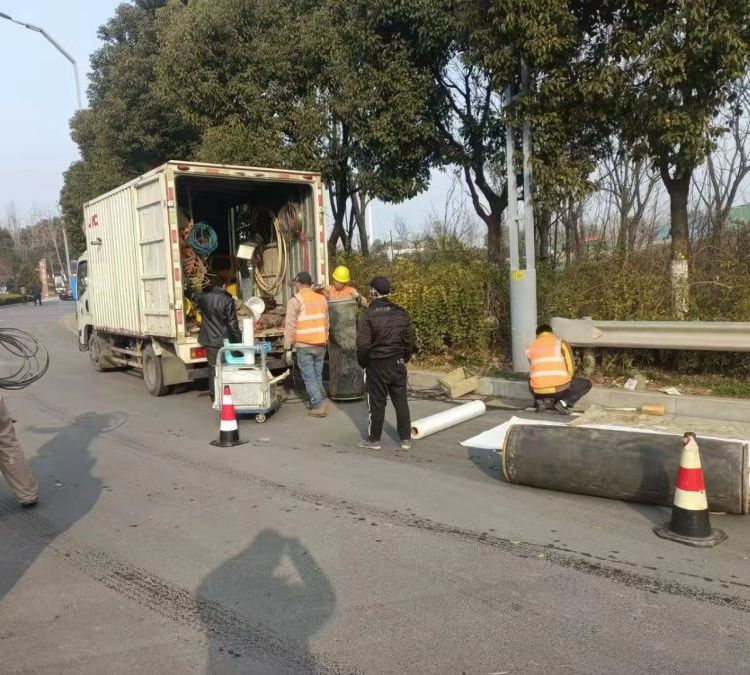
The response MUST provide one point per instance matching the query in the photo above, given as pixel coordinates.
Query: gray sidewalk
(709, 407)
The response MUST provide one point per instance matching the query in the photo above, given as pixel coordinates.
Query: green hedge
(453, 306)
(12, 298)
(461, 308)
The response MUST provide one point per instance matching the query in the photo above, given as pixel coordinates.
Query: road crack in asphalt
(541, 553)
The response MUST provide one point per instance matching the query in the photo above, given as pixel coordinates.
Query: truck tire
(98, 353)
(153, 376)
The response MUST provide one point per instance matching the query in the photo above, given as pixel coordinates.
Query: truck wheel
(97, 349)
(153, 376)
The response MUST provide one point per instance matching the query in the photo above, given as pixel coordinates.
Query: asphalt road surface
(154, 552)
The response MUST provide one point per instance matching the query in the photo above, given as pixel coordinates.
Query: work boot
(320, 411)
(369, 445)
(562, 408)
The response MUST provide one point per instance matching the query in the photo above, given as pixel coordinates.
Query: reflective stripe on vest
(311, 320)
(548, 369)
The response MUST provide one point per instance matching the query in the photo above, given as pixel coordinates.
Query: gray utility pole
(57, 46)
(523, 311)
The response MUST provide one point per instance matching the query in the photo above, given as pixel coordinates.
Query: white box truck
(154, 243)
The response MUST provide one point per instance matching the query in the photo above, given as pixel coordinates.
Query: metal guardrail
(697, 335)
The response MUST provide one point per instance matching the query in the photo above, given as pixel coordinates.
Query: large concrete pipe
(345, 378)
(636, 467)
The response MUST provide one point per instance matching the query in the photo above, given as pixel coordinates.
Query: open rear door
(154, 260)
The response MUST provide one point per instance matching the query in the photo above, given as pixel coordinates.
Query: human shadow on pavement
(261, 608)
(68, 490)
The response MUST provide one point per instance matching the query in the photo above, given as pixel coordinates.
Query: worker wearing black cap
(385, 343)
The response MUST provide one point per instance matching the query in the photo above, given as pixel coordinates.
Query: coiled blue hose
(203, 239)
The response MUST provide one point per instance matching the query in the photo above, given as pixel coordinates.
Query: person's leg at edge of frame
(211, 354)
(398, 391)
(377, 396)
(13, 464)
(306, 364)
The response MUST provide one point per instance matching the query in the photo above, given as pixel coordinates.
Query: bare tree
(727, 167)
(454, 220)
(630, 185)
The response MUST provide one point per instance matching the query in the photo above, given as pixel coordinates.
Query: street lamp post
(59, 48)
(56, 45)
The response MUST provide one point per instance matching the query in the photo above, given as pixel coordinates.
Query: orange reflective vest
(312, 320)
(346, 293)
(550, 366)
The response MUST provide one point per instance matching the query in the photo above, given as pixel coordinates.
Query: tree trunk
(679, 189)
(358, 209)
(337, 234)
(496, 248)
(623, 237)
(543, 226)
(337, 195)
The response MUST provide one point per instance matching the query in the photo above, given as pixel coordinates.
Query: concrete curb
(729, 409)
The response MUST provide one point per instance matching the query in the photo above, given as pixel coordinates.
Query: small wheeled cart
(254, 389)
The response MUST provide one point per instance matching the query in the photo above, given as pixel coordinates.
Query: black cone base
(690, 527)
(228, 439)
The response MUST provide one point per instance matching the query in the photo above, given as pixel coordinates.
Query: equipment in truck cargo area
(157, 242)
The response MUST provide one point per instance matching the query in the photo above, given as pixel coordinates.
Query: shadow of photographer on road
(283, 598)
(69, 490)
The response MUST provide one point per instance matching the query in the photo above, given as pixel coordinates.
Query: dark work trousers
(211, 353)
(579, 387)
(384, 378)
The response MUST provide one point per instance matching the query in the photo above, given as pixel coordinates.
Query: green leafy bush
(461, 307)
(11, 298)
(453, 305)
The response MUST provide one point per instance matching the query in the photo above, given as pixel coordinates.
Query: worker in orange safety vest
(551, 372)
(306, 330)
(340, 290)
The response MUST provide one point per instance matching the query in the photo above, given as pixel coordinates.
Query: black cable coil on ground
(33, 356)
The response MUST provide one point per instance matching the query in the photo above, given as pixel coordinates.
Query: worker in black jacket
(219, 323)
(385, 343)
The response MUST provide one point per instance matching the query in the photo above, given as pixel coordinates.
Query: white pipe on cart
(448, 418)
(248, 338)
(279, 378)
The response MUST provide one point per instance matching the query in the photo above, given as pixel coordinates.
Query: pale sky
(39, 99)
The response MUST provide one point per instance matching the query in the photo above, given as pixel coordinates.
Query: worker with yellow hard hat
(340, 290)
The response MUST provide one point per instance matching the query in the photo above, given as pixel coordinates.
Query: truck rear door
(154, 259)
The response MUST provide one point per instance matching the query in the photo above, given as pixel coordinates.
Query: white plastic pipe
(448, 418)
(248, 338)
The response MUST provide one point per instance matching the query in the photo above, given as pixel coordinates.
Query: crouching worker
(551, 372)
(385, 343)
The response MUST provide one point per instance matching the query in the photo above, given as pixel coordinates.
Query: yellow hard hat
(341, 274)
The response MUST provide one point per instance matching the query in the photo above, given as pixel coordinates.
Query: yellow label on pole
(518, 275)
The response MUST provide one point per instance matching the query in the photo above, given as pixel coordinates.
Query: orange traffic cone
(690, 523)
(229, 431)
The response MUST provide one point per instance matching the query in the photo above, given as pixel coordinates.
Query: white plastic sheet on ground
(448, 418)
(494, 439)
